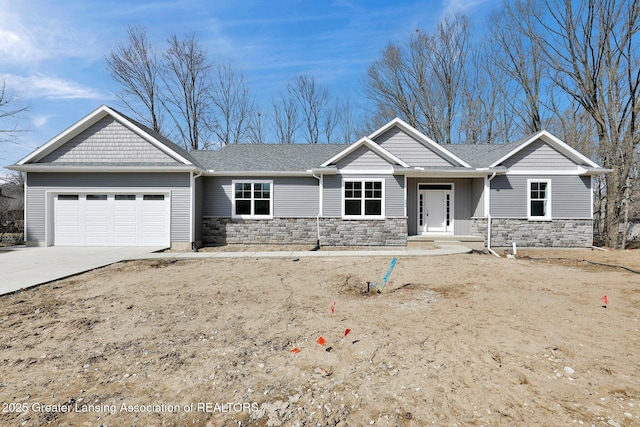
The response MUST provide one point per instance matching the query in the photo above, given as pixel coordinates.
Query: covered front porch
(442, 207)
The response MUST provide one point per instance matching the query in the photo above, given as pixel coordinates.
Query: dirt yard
(451, 340)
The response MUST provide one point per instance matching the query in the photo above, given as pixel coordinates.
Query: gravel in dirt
(451, 340)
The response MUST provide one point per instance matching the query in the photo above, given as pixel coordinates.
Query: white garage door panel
(107, 220)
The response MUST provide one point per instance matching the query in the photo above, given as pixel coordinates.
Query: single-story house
(109, 180)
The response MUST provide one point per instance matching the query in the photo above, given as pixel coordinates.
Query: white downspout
(489, 219)
(193, 209)
(320, 184)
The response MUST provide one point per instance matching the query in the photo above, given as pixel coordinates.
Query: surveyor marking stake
(386, 276)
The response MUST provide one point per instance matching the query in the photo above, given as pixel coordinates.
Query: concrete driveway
(22, 267)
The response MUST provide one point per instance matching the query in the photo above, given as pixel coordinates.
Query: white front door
(435, 211)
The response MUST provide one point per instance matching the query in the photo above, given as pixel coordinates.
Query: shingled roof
(267, 157)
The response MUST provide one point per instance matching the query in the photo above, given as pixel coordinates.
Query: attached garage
(111, 219)
(110, 181)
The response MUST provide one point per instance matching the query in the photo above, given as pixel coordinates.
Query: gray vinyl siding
(293, 197)
(541, 156)
(393, 188)
(477, 196)
(411, 151)
(466, 202)
(38, 183)
(363, 159)
(107, 141)
(570, 196)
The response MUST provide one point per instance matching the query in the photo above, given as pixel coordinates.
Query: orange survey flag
(321, 341)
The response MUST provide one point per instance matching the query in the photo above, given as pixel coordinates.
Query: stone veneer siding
(562, 233)
(285, 231)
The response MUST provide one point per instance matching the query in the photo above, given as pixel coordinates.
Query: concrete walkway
(443, 249)
(22, 267)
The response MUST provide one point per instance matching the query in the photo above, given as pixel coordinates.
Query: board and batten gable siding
(363, 159)
(467, 202)
(541, 156)
(409, 150)
(39, 183)
(107, 141)
(293, 197)
(570, 196)
(393, 192)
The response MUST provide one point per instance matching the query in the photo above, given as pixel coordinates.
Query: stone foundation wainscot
(561, 233)
(286, 231)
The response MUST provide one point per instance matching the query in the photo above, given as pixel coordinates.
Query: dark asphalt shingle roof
(482, 155)
(267, 157)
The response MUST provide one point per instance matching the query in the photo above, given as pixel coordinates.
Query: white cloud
(14, 48)
(41, 120)
(42, 86)
(460, 6)
(32, 32)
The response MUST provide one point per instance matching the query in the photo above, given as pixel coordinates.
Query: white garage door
(111, 219)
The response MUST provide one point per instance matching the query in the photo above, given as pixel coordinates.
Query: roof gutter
(211, 172)
(34, 167)
(462, 173)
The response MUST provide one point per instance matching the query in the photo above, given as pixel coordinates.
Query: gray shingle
(267, 157)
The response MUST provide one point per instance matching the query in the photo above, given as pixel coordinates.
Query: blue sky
(52, 53)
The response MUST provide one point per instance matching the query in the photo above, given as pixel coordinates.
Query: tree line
(179, 92)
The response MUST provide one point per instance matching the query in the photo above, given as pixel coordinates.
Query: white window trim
(547, 217)
(251, 181)
(363, 216)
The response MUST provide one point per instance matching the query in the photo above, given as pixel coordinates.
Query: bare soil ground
(451, 340)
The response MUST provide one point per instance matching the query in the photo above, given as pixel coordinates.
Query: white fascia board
(66, 134)
(550, 139)
(372, 146)
(578, 171)
(38, 167)
(420, 137)
(464, 173)
(267, 174)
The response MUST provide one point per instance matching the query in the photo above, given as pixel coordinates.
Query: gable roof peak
(420, 137)
(366, 141)
(94, 117)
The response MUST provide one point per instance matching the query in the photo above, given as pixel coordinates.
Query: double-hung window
(252, 199)
(539, 206)
(363, 199)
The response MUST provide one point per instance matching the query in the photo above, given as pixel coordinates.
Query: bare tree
(486, 117)
(390, 85)
(349, 125)
(188, 90)
(257, 130)
(331, 120)
(516, 53)
(285, 119)
(9, 115)
(232, 106)
(423, 80)
(592, 49)
(312, 100)
(137, 68)
(12, 207)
